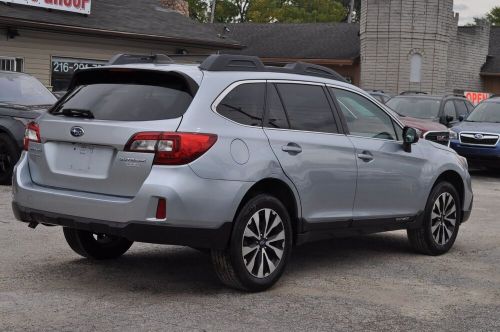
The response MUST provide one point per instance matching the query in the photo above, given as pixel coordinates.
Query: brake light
(171, 148)
(31, 134)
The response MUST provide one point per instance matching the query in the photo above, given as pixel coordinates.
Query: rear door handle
(292, 148)
(365, 156)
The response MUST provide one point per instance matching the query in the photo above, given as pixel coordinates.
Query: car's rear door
(314, 154)
(84, 136)
(388, 177)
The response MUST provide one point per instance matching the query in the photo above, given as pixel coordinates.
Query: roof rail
(229, 62)
(454, 95)
(123, 59)
(404, 93)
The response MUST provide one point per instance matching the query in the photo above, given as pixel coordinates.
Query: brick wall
(467, 54)
(392, 30)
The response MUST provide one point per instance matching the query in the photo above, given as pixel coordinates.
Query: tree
(357, 9)
(198, 10)
(494, 16)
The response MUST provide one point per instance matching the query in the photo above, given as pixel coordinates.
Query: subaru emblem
(77, 131)
(479, 136)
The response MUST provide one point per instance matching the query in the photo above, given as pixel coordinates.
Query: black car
(22, 99)
(447, 110)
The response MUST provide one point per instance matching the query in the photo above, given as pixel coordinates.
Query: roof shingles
(144, 17)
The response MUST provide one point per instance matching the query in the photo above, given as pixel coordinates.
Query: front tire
(259, 248)
(96, 246)
(441, 222)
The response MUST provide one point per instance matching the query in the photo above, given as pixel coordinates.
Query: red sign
(76, 6)
(476, 97)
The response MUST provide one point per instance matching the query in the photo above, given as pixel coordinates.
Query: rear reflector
(31, 134)
(161, 209)
(172, 148)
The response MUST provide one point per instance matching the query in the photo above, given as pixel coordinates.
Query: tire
(440, 226)
(262, 253)
(96, 246)
(9, 155)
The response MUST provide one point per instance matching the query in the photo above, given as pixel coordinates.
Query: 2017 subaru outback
(231, 155)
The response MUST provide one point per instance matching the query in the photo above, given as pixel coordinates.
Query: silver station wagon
(232, 156)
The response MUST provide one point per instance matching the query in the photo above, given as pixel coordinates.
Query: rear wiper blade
(77, 113)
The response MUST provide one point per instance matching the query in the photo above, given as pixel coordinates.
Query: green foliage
(198, 10)
(494, 16)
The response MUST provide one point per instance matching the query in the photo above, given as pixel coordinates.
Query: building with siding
(51, 44)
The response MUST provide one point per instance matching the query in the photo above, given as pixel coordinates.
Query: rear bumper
(149, 232)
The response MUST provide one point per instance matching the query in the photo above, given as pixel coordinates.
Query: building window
(416, 68)
(11, 64)
(64, 68)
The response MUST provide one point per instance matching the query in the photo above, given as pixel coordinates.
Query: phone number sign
(75, 6)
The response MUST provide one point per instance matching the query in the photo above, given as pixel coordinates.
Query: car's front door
(303, 133)
(388, 177)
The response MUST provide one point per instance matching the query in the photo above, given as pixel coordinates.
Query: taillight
(172, 148)
(31, 134)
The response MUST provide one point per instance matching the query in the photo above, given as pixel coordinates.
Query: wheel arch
(282, 191)
(456, 180)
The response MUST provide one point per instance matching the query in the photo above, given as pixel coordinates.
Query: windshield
(485, 112)
(416, 107)
(24, 90)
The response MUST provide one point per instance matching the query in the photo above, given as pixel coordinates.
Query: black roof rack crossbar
(123, 59)
(226, 62)
(229, 62)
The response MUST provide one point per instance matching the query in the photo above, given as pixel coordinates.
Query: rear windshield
(416, 107)
(133, 96)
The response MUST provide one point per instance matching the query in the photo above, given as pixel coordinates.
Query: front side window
(244, 104)
(307, 107)
(363, 117)
(461, 107)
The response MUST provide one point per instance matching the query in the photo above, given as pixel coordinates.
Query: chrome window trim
(234, 85)
(482, 133)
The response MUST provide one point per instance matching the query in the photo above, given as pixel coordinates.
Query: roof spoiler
(124, 59)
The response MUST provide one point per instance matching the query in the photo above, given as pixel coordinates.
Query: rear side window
(137, 96)
(307, 108)
(244, 104)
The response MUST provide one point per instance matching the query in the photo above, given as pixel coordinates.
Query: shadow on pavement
(174, 270)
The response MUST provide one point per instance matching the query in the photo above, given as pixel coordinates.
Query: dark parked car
(448, 110)
(22, 99)
(476, 138)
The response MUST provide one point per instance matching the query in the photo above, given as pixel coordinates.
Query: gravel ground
(367, 283)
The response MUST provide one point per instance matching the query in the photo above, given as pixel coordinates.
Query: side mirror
(449, 118)
(410, 136)
(461, 118)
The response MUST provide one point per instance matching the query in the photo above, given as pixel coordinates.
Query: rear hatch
(82, 138)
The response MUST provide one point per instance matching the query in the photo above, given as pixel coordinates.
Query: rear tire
(9, 155)
(259, 248)
(441, 223)
(96, 246)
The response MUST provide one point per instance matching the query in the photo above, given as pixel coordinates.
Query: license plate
(81, 158)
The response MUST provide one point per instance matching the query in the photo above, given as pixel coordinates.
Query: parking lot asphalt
(365, 283)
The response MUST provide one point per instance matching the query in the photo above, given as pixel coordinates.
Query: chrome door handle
(365, 156)
(292, 148)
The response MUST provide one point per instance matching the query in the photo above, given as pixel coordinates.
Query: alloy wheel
(263, 243)
(443, 218)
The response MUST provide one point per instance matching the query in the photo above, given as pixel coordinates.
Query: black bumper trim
(139, 231)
